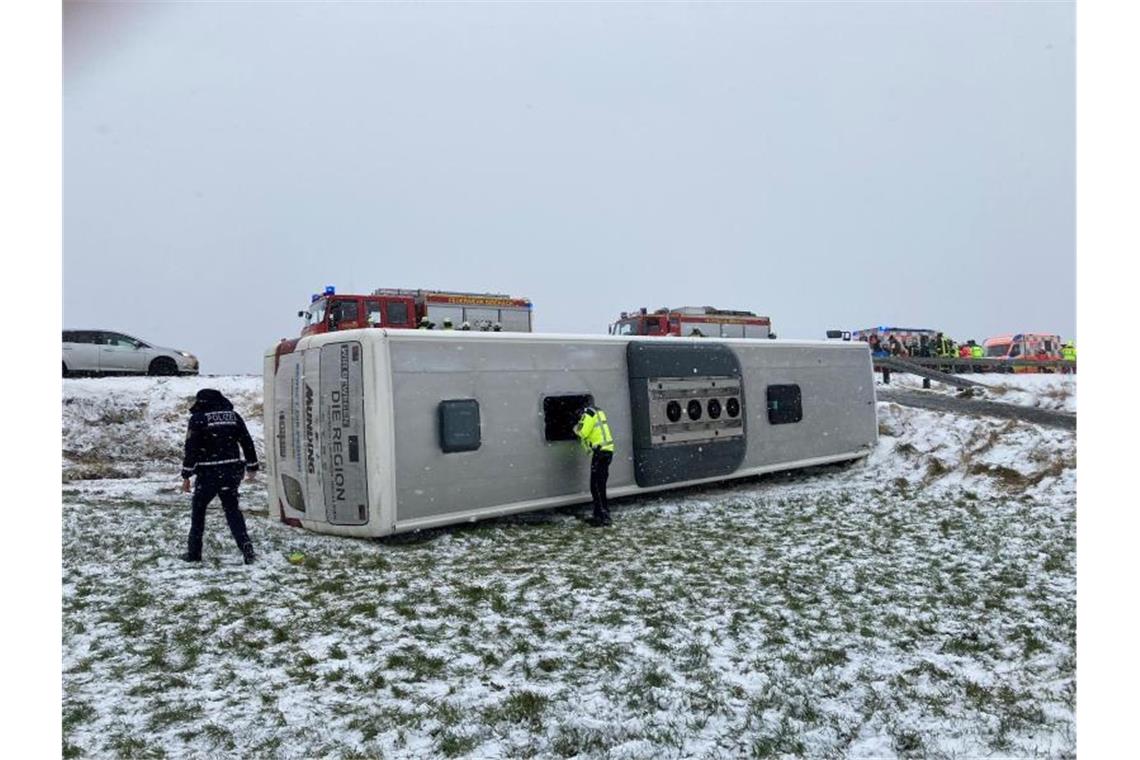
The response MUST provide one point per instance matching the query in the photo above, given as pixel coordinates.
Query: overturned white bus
(376, 432)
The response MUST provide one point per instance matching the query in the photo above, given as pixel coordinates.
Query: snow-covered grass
(1054, 392)
(128, 426)
(918, 603)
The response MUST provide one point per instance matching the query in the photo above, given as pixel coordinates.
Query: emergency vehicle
(694, 321)
(392, 307)
(1026, 346)
(916, 340)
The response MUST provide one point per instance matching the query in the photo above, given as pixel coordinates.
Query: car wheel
(65, 372)
(163, 365)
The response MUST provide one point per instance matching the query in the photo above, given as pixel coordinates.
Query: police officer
(212, 457)
(594, 433)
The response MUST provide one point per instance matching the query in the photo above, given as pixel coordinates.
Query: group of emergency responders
(943, 347)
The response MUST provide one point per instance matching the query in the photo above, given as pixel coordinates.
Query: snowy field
(1054, 392)
(918, 603)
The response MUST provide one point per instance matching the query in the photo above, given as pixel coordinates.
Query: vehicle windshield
(997, 350)
(316, 312)
(625, 327)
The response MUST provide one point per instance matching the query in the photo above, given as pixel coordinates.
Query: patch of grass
(420, 664)
(1006, 476)
(173, 713)
(575, 741)
(830, 658)
(520, 707)
(549, 664)
(783, 741)
(452, 744)
(219, 736)
(76, 714)
(907, 743)
(124, 744)
(405, 610)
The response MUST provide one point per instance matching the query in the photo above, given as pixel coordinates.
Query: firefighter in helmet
(465, 326)
(447, 324)
(593, 432)
(425, 324)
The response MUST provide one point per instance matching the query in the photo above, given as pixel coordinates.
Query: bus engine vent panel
(683, 410)
(687, 412)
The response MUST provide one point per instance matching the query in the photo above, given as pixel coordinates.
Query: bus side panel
(514, 462)
(837, 397)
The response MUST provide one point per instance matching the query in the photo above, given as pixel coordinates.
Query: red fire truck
(391, 307)
(694, 321)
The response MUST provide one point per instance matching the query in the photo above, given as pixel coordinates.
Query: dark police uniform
(594, 433)
(212, 457)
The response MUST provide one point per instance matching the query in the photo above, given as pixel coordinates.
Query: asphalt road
(941, 403)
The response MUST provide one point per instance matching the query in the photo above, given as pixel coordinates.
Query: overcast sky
(828, 165)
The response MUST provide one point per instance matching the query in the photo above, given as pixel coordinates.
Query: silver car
(102, 352)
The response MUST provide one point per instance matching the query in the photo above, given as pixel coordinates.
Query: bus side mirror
(303, 314)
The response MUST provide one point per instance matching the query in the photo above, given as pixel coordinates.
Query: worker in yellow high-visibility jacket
(593, 432)
(1069, 353)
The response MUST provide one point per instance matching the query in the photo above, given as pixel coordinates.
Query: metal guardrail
(888, 364)
(961, 365)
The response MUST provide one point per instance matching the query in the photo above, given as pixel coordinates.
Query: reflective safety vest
(594, 432)
(1069, 353)
(978, 352)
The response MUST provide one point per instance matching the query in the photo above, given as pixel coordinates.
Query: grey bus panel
(342, 434)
